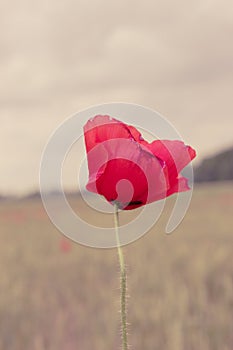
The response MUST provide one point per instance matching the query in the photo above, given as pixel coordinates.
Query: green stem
(123, 282)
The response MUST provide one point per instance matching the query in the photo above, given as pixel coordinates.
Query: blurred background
(59, 57)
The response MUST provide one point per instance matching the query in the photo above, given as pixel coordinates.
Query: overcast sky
(57, 57)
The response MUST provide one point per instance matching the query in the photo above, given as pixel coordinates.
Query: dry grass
(180, 286)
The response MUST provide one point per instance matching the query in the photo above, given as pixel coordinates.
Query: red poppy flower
(126, 169)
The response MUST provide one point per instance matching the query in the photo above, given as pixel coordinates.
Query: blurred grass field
(180, 286)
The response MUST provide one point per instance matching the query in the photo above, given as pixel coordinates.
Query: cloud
(58, 57)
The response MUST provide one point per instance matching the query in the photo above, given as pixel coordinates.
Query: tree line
(216, 168)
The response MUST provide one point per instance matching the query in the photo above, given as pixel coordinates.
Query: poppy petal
(103, 128)
(175, 154)
(126, 168)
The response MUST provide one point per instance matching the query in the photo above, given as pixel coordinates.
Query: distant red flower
(65, 245)
(117, 151)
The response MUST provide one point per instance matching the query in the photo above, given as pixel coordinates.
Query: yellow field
(180, 286)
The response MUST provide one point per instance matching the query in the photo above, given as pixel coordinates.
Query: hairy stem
(123, 282)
